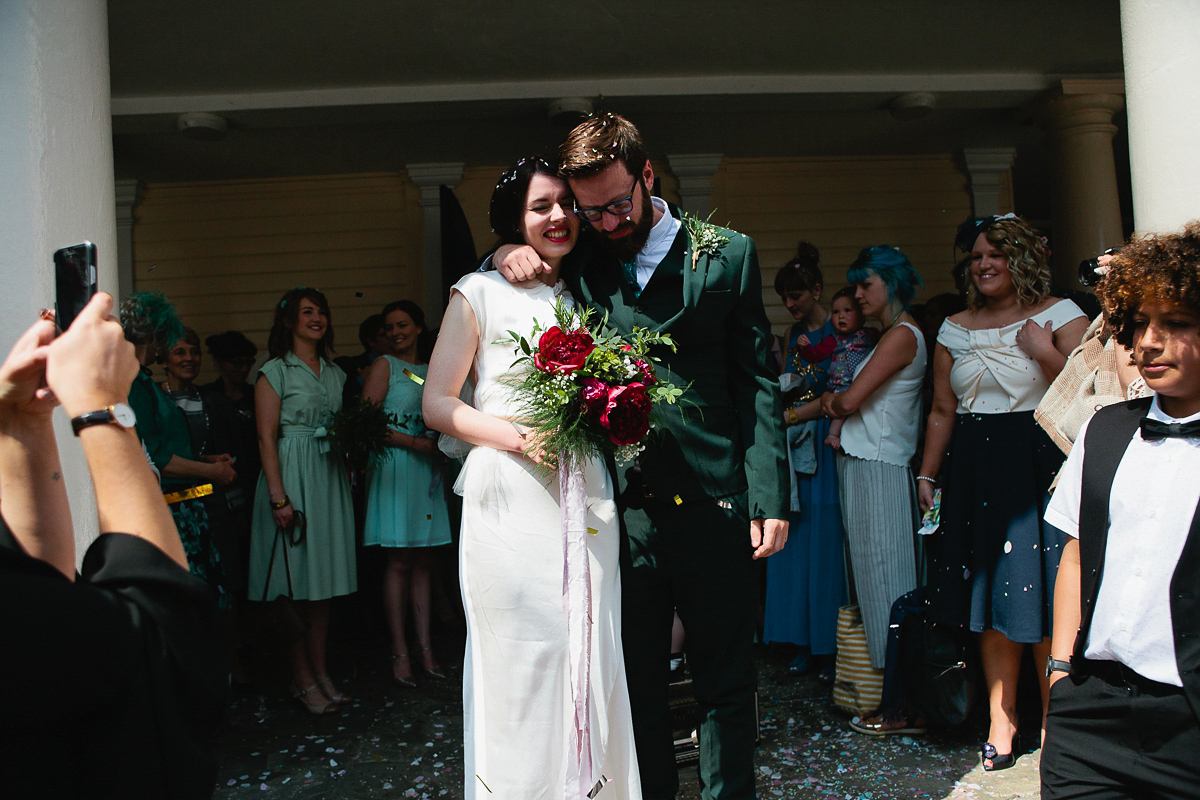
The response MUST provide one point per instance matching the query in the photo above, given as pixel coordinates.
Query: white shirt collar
(1157, 413)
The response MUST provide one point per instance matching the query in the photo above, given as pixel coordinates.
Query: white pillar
(1161, 44)
(695, 172)
(1085, 206)
(56, 176)
(430, 177)
(129, 194)
(986, 166)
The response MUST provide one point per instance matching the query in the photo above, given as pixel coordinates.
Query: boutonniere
(705, 237)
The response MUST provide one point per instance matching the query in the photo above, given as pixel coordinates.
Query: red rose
(594, 395)
(626, 414)
(562, 352)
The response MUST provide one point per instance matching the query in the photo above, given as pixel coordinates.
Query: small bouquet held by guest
(587, 391)
(360, 430)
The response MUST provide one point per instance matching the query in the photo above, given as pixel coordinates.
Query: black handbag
(936, 661)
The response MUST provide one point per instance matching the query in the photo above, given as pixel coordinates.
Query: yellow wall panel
(225, 251)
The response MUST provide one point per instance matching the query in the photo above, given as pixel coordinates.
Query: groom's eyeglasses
(618, 208)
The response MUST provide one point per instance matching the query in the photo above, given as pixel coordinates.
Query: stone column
(986, 166)
(695, 172)
(1087, 213)
(1162, 76)
(56, 170)
(429, 178)
(129, 194)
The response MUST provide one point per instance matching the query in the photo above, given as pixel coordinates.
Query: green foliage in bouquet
(586, 390)
(360, 432)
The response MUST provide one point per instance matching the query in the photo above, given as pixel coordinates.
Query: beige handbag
(857, 686)
(1088, 382)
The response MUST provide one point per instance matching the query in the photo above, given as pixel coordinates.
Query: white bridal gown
(519, 709)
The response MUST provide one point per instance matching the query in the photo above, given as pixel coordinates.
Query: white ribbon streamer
(577, 605)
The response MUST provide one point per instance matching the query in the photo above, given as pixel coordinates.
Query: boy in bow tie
(1124, 714)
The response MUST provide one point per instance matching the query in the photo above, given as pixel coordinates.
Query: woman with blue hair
(882, 408)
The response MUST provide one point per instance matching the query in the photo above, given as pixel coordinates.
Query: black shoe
(993, 761)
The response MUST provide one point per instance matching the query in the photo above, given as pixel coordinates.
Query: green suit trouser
(694, 558)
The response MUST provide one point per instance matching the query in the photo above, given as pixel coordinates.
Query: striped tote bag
(857, 687)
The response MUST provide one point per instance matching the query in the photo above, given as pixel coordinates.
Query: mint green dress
(405, 504)
(314, 478)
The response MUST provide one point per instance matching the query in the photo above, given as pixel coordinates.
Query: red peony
(562, 352)
(594, 395)
(626, 414)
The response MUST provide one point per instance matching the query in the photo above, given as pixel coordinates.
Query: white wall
(56, 174)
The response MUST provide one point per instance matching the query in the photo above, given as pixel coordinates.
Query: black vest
(1108, 437)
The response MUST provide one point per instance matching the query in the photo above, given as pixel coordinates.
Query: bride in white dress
(520, 717)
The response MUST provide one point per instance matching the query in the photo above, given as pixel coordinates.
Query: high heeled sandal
(341, 697)
(998, 761)
(317, 709)
(433, 673)
(877, 726)
(409, 682)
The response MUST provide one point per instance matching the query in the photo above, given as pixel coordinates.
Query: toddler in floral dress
(850, 343)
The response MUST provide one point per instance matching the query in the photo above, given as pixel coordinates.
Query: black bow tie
(1153, 430)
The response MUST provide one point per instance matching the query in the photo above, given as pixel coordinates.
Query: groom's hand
(520, 264)
(768, 536)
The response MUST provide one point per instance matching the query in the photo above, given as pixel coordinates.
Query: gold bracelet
(284, 503)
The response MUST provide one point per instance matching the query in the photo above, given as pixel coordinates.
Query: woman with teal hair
(882, 408)
(150, 323)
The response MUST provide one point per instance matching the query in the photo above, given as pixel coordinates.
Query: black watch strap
(1055, 665)
(101, 417)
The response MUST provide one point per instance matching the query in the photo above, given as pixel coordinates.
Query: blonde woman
(994, 564)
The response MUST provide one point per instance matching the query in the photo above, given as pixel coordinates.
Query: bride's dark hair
(508, 198)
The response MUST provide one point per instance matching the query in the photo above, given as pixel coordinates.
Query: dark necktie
(629, 270)
(1153, 430)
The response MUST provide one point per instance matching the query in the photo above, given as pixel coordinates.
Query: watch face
(123, 415)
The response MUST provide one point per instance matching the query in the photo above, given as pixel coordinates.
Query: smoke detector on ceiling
(570, 110)
(913, 105)
(202, 126)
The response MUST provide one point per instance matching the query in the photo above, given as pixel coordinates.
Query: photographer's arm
(34, 497)
(91, 366)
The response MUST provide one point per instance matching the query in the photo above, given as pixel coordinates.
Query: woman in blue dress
(406, 511)
(806, 581)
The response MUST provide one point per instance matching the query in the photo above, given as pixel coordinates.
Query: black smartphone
(74, 281)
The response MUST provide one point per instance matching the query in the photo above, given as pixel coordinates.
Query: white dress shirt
(1153, 500)
(662, 236)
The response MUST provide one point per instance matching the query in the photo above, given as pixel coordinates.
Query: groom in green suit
(712, 472)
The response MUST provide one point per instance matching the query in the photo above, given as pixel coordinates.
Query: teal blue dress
(314, 478)
(405, 504)
(806, 580)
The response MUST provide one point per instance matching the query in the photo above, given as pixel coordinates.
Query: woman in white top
(545, 712)
(994, 562)
(883, 410)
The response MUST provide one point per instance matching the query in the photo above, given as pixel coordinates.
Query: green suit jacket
(726, 437)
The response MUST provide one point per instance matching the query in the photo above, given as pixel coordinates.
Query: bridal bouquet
(586, 390)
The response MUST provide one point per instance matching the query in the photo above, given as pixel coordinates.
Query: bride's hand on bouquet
(531, 446)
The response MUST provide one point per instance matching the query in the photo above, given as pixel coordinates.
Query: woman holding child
(994, 564)
(806, 582)
(528, 731)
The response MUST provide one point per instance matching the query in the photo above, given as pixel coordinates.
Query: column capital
(985, 166)
(128, 195)
(431, 176)
(695, 171)
(1087, 104)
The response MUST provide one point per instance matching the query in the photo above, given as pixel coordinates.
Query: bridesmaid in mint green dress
(406, 510)
(295, 397)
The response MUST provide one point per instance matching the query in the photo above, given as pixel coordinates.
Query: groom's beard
(628, 246)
